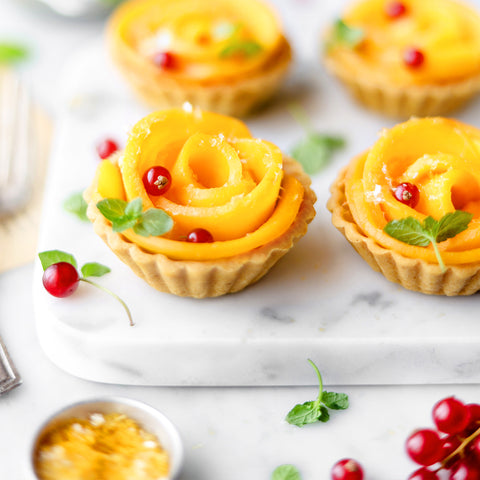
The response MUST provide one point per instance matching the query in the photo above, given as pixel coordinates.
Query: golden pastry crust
(413, 274)
(403, 102)
(231, 95)
(200, 279)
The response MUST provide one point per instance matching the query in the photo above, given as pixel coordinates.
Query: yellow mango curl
(446, 32)
(441, 157)
(206, 42)
(223, 181)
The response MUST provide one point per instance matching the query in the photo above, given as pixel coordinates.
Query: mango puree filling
(442, 158)
(445, 31)
(209, 41)
(223, 180)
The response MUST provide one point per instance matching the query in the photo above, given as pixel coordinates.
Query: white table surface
(229, 433)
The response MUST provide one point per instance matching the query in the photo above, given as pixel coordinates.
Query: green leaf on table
(411, 231)
(50, 257)
(12, 53)
(317, 410)
(286, 472)
(315, 150)
(94, 269)
(344, 35)
(77, 205)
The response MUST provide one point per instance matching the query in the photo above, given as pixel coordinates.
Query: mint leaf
(50, 257)
(409, 230)
(317, 410)
(335, 401)
(303, 414)
(12, 52)
(112, 208)
(248, 48)
(315, 151)
(286, 472)
(452, 224)
(94, 269)
(77, 205)
(344, 35)
(154, 222)
(134, 208)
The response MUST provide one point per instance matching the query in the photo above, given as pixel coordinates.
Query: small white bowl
(150, 419)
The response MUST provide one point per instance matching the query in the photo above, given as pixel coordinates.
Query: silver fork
(16, 144)
(16, 176)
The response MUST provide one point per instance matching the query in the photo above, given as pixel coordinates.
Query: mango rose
(414, 57)
(253, 202)
(421, 168)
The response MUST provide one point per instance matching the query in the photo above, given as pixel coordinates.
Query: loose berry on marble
(61, 279)
(347, 469)
(106, 147)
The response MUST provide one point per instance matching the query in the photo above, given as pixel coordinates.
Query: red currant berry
(450, 444)
(106, 148)
(61, 279)
(474, 410)
(200, 235)
(450, 415)
(164, 60)
(465, 470)
(424, 447)
(408, 194)
(474, 449)
(395, 9)
(347, 469)
(157, 180)
(413, 58)
(423, 474)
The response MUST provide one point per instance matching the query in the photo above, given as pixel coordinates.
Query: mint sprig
(286, 472)
(344, 35)
(247, 48)
(90, 269)
(76, 204)
(317, 410)
(409, 230)
(315, 150)
(125, 215)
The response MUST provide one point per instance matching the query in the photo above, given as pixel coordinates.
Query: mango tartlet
(222, 55)
(407, 57)
(237, 204)
(427, 171)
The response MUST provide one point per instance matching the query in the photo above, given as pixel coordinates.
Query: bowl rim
(176, 452)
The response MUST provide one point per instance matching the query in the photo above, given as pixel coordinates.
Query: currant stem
(460, 448)
(320, 381)
(106, 290)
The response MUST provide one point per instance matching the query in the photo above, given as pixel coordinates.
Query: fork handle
(9, 377)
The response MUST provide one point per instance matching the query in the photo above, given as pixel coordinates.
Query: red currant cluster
(453, 447)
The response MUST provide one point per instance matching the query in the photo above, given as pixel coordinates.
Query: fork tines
(16, 148)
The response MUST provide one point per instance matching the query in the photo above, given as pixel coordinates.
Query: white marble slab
(321, 301)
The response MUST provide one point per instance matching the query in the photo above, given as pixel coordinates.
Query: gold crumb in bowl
(101, 447)
(110, 438)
